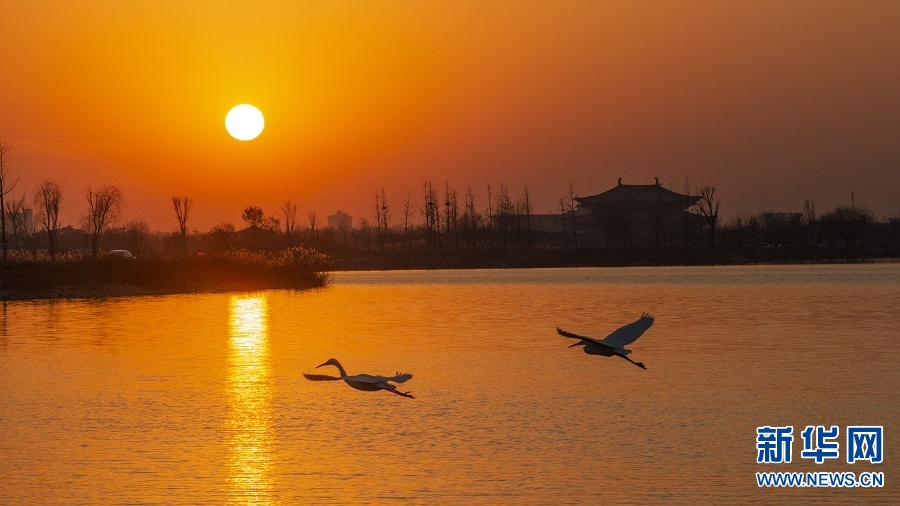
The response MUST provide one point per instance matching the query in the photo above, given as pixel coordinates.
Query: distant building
(629, 215)
(340, 221)
(553, 223)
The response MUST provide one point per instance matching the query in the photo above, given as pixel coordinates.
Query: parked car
(119, 253)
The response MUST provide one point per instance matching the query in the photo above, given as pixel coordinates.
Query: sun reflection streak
(249, 423)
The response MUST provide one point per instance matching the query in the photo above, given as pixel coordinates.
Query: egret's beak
(318, 366)
(574, 345)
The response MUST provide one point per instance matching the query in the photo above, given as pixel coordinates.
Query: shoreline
(112, 291)
(359, 264)
(88, 278)
(116, 290)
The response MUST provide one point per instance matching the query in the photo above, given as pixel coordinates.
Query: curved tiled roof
(638, 192)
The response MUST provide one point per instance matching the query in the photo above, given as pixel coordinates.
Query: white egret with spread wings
(365, 382)
(614, 344)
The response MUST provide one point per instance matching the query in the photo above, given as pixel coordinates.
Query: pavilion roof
(640, 193)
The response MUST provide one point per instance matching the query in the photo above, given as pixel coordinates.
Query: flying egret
(363, 381)
(614, 344)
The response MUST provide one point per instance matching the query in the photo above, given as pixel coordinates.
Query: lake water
(200, 399)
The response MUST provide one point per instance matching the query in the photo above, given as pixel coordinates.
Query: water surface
(199, 399)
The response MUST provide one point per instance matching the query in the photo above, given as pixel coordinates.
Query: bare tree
(289, 211)
(104, 208)
(183, 206)
(564, 220)
(47, 197)
(489, 216)
(471, 219)
(385, 213)
(811, 223)
(709, 209)
(571, 206)
(430, 213)
(363, 233)
(15, 213)
(377, 209)
(382, 216)
(504, 212)
(451, 212)
(407, 212)
(312, 224)
(7, 184)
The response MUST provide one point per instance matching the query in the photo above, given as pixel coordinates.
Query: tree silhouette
(407, 212)
(104, 208)
(849, 223)
(451, 213)
(289, 211)
(7, 184)
(429, 211)
(489, 218)
(709, 209)
(183, 206)
(470, 219)
(313, 224)
(811, 222)
(47, 196)
(15, 212)
(382, 216)
(253, 216)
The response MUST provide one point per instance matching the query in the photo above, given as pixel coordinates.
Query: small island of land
(71, 277)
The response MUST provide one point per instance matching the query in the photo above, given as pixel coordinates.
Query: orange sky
(771, 102)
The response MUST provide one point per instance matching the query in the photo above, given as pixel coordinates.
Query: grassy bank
(70, 277)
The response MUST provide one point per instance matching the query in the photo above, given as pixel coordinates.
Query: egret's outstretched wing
(576, 336)
(400, 377)
(320, 377)
(629, 333)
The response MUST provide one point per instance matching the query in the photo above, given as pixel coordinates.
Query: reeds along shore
(70, 276)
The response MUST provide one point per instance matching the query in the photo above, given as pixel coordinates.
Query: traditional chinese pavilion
(640, 215)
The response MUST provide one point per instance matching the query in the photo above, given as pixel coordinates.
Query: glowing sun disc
(244, 122)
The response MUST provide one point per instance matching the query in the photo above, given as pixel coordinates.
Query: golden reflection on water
(249, 396)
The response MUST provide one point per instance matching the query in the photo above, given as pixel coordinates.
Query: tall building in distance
(340, 221)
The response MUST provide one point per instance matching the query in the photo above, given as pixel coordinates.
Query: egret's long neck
(340, 368)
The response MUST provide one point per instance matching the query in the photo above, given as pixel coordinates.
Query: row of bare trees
(440, 221)
(444, 220)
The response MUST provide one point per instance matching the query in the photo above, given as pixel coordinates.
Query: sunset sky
(772, 102)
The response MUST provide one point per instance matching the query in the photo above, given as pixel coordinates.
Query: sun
(244, 122)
